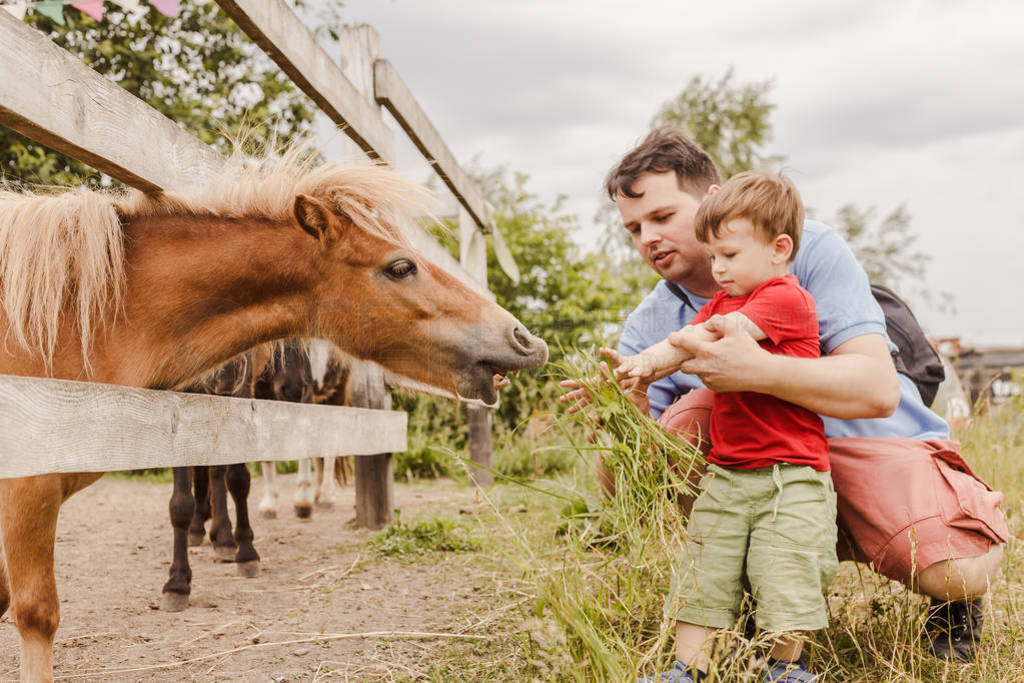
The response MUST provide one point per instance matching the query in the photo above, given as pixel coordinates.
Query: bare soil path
(319, 588)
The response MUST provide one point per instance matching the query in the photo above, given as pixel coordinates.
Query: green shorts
(772, 529)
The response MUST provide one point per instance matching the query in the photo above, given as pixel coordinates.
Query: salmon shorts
(903, 504)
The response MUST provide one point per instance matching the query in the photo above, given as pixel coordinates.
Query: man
(907, 501)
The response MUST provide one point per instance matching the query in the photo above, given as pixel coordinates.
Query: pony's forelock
(374, 197)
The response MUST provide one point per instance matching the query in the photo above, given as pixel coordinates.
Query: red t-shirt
(751, 430)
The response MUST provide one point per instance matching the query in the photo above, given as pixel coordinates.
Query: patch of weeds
(435, 535)
(426, 462)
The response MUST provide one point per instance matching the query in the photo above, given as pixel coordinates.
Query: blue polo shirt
(826, 268)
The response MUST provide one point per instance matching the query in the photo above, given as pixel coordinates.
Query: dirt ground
(304, 617)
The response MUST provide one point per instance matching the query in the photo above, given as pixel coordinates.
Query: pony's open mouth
(482, 381)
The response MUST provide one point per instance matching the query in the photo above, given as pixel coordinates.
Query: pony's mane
(62, 253)
(374, 197)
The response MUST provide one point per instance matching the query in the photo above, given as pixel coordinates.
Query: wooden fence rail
(50, 426)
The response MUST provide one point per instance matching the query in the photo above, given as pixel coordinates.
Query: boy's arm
(691, 337)
(857, 380)
(665, 357)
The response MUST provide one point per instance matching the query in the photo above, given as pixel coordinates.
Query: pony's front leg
(220, 524)
(303, 501)
(28, 522)
(238, 481)
(326, 482)
(268, 504)
(201, 484)
(182, 507)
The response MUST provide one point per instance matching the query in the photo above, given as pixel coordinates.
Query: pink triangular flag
(94, 8)
(166, 7)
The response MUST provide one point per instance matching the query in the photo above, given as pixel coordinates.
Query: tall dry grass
(599, 573)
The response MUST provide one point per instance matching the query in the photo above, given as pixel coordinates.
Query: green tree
(731, 121)
(887, 250)
(198, 69)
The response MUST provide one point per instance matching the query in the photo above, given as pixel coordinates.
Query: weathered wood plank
(273, 26)
(49, 95)
(49, 425)
(392, 92)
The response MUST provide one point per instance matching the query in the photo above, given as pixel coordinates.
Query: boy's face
(741, 259)
(660, 223)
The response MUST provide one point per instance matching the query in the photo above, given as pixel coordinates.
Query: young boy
(766, 513)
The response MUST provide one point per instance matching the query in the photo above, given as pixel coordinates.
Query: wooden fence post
(375, 474)
(473, 255)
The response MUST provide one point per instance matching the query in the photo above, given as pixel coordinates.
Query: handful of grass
(616, 553)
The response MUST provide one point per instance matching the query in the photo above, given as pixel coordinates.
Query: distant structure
(985, 370)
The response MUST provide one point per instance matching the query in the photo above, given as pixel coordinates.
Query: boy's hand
(638, 365)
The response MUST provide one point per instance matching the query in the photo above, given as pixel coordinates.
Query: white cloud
(879, 103)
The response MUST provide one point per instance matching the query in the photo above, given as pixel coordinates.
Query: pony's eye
(401, 268)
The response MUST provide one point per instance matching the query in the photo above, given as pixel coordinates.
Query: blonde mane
(62, 253)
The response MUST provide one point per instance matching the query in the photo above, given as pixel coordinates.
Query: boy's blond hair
(770, 201)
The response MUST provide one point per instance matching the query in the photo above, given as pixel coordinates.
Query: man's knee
(960, 578)
(689, 418)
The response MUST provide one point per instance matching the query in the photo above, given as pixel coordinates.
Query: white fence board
(273, 26)
(49, 425)
(392, 92)
(49, 95)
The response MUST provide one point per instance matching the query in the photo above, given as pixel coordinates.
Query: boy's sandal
(788, 672)
(677, 674)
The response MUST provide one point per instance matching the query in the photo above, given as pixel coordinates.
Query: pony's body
(153, 292)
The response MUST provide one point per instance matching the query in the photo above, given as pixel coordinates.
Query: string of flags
(54, 9)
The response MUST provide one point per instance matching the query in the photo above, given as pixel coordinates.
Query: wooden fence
(49, 95)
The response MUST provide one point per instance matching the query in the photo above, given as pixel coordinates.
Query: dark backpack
(917, 358)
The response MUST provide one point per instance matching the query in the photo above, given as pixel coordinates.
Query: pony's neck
(201, 290)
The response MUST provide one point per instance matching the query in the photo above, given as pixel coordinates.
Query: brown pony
(154, 291)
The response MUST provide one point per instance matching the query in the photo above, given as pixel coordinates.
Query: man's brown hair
(664, 149)
(768, 200)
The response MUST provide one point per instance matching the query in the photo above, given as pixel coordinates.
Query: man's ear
(312, 216)
(712, 189)
(782, 249)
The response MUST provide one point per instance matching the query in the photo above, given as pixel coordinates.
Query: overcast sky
(878, 103)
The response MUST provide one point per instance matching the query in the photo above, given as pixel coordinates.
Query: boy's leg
(792, 558)
(693, 645)
(707, 577)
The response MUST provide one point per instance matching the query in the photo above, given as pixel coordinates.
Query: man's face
(660, 223)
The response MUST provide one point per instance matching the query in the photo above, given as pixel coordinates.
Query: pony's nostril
(523, 339)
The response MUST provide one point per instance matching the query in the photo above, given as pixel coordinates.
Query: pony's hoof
(304, 511)
(174, 602)
(225, 553)
(250, 569)
(325, 504)
(268, 513)
(195, 539)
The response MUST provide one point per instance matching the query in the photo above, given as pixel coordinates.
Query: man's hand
(734, 362)
(578, 397)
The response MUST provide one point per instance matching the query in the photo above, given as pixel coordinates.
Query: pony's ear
(312, 216)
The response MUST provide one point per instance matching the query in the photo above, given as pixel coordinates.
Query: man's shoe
(677, 674)
(953, 628)
(788, 672)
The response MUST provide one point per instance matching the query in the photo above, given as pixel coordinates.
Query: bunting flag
(17, 11)
(94, 8)
(53, 9)
(166, 7)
